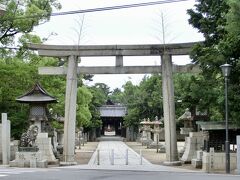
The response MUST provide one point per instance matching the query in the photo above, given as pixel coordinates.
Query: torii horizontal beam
(190, 68)
(113, 50)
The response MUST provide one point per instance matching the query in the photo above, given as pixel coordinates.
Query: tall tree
(130, 98)
(98, 99)
(221, 45)
(193, 91)
(143, 101)
(17, 77)
(233, 18)
(23, 16)
(116, 96)
(104, 88)
(83, 113)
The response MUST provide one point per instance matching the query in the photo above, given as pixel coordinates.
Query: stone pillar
(155, 135)
(238, 154)
(211, 160)
(5, 139)
(149, 135)
(54, 139)
(169, 111)
(70, 112)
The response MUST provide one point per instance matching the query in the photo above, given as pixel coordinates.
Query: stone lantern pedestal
(156, 131)
(146, 132)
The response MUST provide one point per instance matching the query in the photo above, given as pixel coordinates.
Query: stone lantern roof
(146, 122)
(36, 95)
(157, 121)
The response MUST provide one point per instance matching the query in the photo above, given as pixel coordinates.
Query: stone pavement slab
(134, 163)
(151, 167)
(116, 152)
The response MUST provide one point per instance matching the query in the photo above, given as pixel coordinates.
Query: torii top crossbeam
(118, 51)
(113, 50)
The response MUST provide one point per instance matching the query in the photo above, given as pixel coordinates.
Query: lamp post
(226, 68)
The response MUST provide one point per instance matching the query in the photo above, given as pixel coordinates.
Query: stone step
(110, 138)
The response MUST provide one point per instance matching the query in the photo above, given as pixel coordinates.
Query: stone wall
(216, 161)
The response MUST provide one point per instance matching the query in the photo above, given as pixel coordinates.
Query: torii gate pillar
(70, 112)
(169, 111)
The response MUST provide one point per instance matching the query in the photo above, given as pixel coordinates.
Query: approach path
(135, 161)
(121, 153)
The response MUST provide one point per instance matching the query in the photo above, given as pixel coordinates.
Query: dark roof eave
(39, 102)
(26, 99)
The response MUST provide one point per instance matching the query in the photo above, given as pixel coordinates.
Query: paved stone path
(134, 163)
(122, 155)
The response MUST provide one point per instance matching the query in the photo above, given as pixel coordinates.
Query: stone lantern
(38, 98)
(187, 121)
(156, 130)
(146, 132)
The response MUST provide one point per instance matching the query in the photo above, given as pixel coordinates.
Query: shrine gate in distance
(112, 119)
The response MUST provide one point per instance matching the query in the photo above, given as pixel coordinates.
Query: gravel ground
(154, 157)
(84, 154)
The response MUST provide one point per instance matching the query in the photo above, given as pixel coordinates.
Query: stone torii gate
(72, 53)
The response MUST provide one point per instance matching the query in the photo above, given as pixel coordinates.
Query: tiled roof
(36, 94)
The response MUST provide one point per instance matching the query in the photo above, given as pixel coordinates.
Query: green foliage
(208, 18)
(195, 91)
(151, 96)
(18, 69)
(105, 90)
(16, 77)
(219, 22)
(116, 96)
(23, 52)
(130, 95)
(83, 113)
(23, 16)
(233, 18)
(57, 125)
(143, 101)
(98, 99)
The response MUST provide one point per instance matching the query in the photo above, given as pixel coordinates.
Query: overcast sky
(141, 25)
